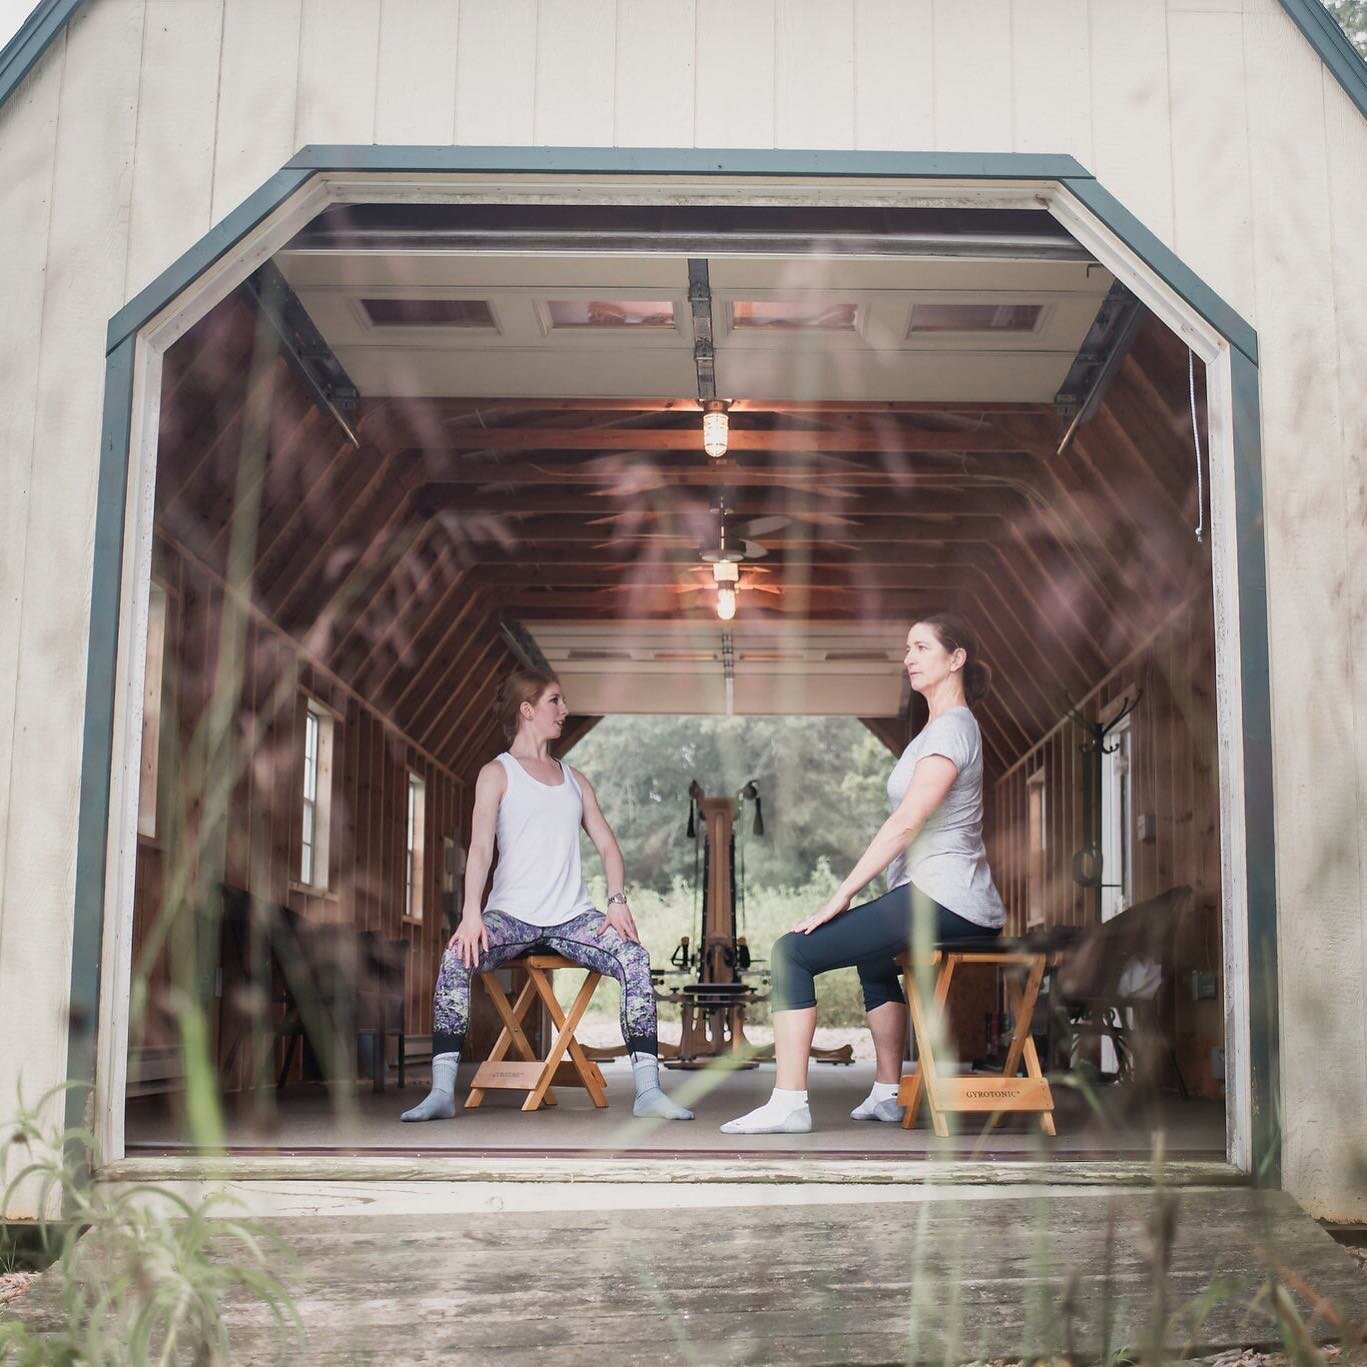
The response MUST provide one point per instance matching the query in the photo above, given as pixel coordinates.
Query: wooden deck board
(946, 1279)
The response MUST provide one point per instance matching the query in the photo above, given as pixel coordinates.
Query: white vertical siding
(258, 89)
(814, 73)
(86, 260)
(28, 140)
(416, 97)
(894, 89)
(496, 73)
(1051, 77)
(973, 76)
(1131, 133)
(174, 158)
(576, 52)
(735, 81)
(653, 104)
(1210, 171)
(1346, 139)
(1319, 881)
(339, 49)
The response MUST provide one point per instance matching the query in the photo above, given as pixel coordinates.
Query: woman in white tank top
(532, 807)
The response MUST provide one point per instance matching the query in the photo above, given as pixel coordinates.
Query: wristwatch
(617, 898)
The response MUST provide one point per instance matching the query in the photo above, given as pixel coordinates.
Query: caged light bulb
(714, 429)
(726, 604)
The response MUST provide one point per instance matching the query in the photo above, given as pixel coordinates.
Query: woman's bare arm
(490, 786)
(931, 780)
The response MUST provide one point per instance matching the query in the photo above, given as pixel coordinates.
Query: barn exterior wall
(1211, 120)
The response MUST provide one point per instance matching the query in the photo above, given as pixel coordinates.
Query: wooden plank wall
(1174, 779)
(261, 848)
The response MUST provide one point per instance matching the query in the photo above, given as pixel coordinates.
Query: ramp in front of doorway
(1052, 1272)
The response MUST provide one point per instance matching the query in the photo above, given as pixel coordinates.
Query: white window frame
(1117, 821)
(315, 805)
(1037, 825)
(149, 765)
(415, 849)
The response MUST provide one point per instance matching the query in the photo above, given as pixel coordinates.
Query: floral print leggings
(579, 940)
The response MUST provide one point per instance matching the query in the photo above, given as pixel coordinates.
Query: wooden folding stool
(977, 1092)
(533, 1074)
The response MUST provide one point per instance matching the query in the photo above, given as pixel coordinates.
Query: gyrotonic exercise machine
(714, 979)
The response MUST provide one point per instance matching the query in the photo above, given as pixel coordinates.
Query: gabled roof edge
(35, 35)
(1336, 51)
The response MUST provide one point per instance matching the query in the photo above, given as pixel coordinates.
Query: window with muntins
(317, 795)
(413, 863)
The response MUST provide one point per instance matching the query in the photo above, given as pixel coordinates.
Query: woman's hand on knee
(830, 909)
(618, 916)
(471, 940)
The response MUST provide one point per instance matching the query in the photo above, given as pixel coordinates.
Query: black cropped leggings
(867, 937)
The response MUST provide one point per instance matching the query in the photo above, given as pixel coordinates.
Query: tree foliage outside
(821, 780)
(1352, 19)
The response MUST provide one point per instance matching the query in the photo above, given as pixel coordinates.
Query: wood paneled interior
(380, 573)
(1174, 778)
(268, 679)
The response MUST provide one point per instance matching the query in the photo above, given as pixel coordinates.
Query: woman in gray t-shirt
(940, 886)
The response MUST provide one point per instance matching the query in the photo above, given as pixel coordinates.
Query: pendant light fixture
(714, 427)
(726, 576)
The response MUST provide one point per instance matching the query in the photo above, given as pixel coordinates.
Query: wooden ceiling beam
(424, 411)
(326, 551)
(454, 686)
(876, 439)
(449, 726)
(421, 680)
(486, 511)
(836, 479)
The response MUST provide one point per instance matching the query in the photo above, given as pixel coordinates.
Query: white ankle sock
(440, 1102)
(785, 1112)
(880, 1104)
(650, 1099)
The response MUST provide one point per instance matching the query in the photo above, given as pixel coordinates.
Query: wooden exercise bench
(978, 1092)
(565, 1064)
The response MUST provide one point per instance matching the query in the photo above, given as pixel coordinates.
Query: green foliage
(141, 1275)
(1352, 19)
(821, 779)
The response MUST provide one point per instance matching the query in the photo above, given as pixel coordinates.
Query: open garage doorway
(421, 444)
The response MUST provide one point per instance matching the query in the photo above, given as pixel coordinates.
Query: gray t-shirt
(947, 859)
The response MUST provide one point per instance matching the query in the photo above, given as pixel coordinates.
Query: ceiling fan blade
(762, 526)
(753, 550)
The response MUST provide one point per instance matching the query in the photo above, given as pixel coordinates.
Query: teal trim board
(1345, 62)
(1256, 738)
(658, 161)
(1260, 868)
(1165, 264)
(92, 829)
(20, 55)
(221, 238)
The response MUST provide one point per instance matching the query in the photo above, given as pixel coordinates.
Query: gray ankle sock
(440, 1102)
(650, 1100)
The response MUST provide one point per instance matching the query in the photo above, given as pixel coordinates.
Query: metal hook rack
(1087, 862)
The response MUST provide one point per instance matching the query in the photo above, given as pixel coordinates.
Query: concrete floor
(309, 1120)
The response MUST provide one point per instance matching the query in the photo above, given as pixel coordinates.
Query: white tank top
(539, 877)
